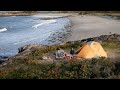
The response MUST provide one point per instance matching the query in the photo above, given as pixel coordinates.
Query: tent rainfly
(91, 49)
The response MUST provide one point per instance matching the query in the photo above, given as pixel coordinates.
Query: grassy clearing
(29, 68)
(51, 49)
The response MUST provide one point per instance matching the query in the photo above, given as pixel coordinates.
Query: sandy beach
(85, 26)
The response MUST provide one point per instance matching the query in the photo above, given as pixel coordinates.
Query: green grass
(111, 44)
(51, 49)
(70, 45)
(118, 52)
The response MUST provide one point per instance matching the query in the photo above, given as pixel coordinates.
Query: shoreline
(60, 37)
(75, 31)
(57, 38)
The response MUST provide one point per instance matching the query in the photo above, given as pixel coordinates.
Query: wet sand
(85, 26)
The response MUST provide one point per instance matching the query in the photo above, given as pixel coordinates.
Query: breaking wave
(3, 29)
(44, 23)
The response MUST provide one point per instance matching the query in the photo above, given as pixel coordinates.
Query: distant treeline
(85, 12)
(17, 13)
(60, 11)
(8, 13)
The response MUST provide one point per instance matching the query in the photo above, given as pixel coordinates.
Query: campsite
(38, 62)
(95, 55)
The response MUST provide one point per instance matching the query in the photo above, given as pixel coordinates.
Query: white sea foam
(3, 29)
(44, 23)
(21, 32)
(47, 16)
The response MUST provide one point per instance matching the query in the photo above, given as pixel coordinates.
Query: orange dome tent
(91, 50)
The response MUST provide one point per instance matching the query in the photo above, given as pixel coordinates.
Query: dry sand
(84, 26)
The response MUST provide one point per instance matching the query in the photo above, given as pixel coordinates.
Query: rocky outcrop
(29, 48)
(112, 37)
(24, 51)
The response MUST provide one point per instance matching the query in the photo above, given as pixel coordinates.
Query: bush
(86, 69)
(117, 68)
(82, 69)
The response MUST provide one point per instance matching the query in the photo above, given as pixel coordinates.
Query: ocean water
(17, 31)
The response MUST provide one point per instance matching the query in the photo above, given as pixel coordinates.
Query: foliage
(81, 69)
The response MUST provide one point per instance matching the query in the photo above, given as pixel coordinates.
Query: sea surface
(18, 31)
